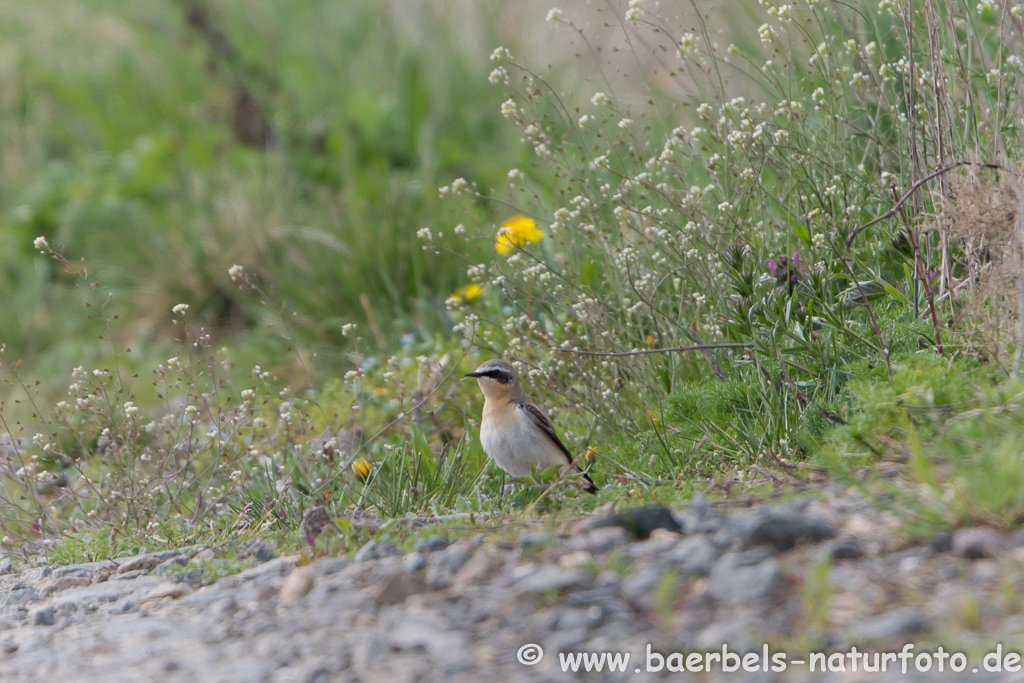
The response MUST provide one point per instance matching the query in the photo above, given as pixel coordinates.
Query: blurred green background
(156, 143)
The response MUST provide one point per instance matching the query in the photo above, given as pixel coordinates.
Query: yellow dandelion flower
(590, 457)
(362, 469)
(468, 293)
(515, 232)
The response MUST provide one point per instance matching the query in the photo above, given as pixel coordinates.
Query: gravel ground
(680, 581)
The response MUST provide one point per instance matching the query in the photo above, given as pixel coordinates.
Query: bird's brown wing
(541, 420)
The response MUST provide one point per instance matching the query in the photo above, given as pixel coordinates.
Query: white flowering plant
(753, 212)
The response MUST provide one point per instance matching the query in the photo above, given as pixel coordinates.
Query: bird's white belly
(517, 443)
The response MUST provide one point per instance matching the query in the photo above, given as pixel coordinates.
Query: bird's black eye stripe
(502, 376)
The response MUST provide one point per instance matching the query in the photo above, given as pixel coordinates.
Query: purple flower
(787, 269)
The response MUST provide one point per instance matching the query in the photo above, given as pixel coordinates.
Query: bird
(514, 432)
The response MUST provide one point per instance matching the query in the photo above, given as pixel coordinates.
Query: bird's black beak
(473, 374)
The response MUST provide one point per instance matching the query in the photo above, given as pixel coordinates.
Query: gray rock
(171, 566)
(296, 586)
(423, 631)
(84, 569)
(370, 652)
(167, 589)
(414, 562)
(847, 548)
(6, 566)
(141, 563)
(975, 543)
(314, 521)
(375, 550)
(42, 617)
(891, 626)
(695, 556)
(126, 576)
(600, 540)
(19, 594)
(702, 517)
(278, 567)
(734, 633)
(735, 582)
(111, 591)
(398, 587)
(258, 548)
(332, 565)
(781, 529)
(941, 542)
(432, 544)
(64, 583)
(191, 577)
(444, 564)
(640, 522)
(264, 553)
(641, 584)
(549, 579)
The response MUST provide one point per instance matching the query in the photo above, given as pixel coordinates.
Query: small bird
(514, 432)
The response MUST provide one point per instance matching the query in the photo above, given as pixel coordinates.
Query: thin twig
(673, 349)
(913, 188)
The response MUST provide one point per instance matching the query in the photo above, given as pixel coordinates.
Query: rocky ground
(820, 574)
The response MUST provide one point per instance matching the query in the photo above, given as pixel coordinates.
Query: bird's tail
(589, 487)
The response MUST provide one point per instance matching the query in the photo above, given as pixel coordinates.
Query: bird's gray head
(496, 378)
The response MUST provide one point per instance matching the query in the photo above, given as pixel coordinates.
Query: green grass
(356, 165)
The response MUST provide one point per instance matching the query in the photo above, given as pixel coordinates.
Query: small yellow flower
(590, 457)
(515, 232)
(362, 469)
(652, 341)
(468, 293)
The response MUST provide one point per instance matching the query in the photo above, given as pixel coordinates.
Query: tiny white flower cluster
(509, 109)
(41, 244)
(180, 309)
(687, 45)
(499, 76)
(601, 99)
(501, 54)
(554, 15)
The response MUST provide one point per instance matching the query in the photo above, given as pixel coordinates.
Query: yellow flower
(362, 468)
(515, 232)
(590, 457)
(652, 341)
(468, 293)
